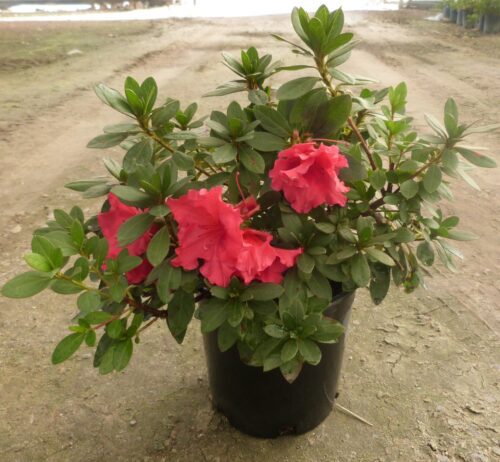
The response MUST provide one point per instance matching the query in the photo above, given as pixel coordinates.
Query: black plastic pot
(453, 15)
(446, 12)
(264, 404)
(491, 24)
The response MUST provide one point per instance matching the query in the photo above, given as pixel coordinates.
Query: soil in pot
(264, 404)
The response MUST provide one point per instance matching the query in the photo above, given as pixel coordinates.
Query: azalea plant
(254, 219)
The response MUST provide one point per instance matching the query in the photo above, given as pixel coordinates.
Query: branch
(169, 148)
(358, 134)
(148, 309)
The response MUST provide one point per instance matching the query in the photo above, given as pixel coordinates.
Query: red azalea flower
(258, 259)
(110, 223)
(308, 176)
(209, 230)
(248, 207)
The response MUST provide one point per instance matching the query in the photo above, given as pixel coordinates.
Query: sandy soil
(422, 368)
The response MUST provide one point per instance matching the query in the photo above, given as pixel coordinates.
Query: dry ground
(422, 368)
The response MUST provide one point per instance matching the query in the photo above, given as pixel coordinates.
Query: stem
(365, 147)
(114, 318)
(146, 325)
(327, 80)
(169, 148)
(422, 169)
(147, 309)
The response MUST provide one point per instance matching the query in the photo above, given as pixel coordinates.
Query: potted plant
(453, 10)
(261, 221)
(446, 4)
(490, 9)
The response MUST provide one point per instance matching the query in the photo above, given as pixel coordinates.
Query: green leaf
(98, 317)
(360, 270)
(296, 88)
(67, 347)
(266, 142)
(134, 228)
(227, 88)
(310, 351)
(90, 338)
(326, 228)
(122, 353)
(409, 189)
(88, 302)
(112, 98)
(271, 362)
(461, 235)
(53, 255)
(379, 286)
(451, 108)
(170, 279)
(159, 246)
(135, 324)
(183, 161)
(38, 262)
(476, 158)
(378, 179)
(289, 350)
(262, 291)
(226, 337)
(115, 329)
(425, 253)
(26, 285)
(305, 263)
(237, 312)
(274, 331)
(380, 256)
(133, 93)
(213, 313)
(132, 196)
(252, 160)
(149, 91)
(436, 126)
(84, 185)
(273, 121)
(164, 113)
(107, 140)
(328, 331)
(63, 241)
(432, 178)
(257, 97)
(404, 235)
(77, 233)
(225, 153)
(61, 286)
(180, 313)
(320, 286)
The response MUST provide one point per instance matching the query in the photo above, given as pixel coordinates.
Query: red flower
(110, 223)
(308, 176)
(209, 230)
(258, 259)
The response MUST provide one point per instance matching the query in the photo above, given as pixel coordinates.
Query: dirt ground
(424, 368)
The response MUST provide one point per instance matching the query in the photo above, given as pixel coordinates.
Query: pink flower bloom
(209, 230)
(258, 259)
(110, 223)
(308, 176)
